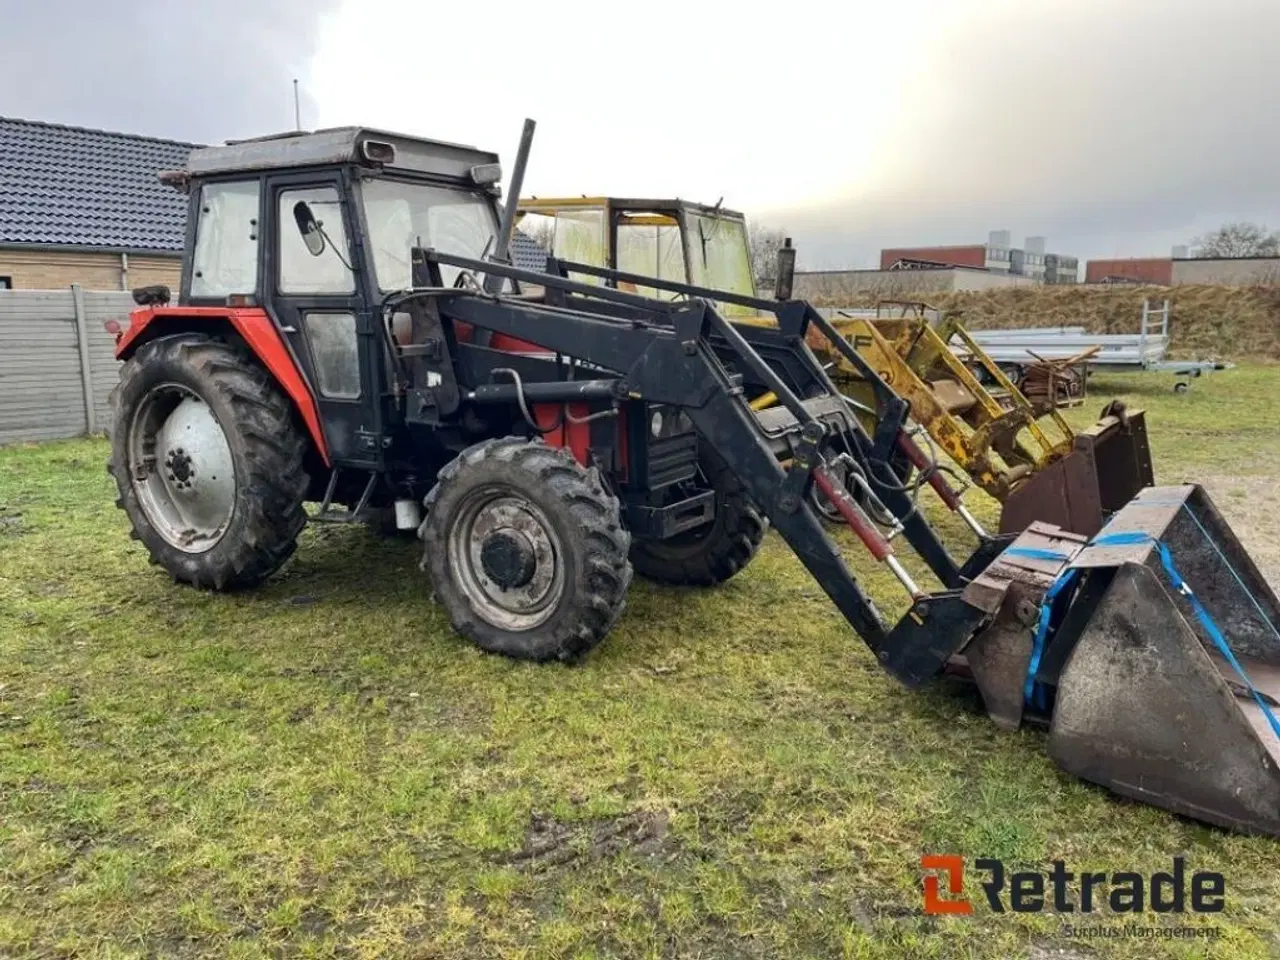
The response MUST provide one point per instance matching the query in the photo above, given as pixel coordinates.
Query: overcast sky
(1114, 127)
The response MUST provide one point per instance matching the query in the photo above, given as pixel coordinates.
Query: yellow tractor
(1024, 455)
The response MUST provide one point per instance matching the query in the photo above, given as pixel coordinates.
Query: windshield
(652, 249)
(720, 259)
(404, 215)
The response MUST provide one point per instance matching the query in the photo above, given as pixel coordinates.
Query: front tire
(208, 461)
(526, 550)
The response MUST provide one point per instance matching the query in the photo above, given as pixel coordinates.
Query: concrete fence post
(86, 372)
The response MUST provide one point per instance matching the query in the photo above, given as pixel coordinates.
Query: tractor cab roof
(553, 205)
(366, 147)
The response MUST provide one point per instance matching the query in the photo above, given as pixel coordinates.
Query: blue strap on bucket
(1036, 553)
(1138, 538)
(1064, 579)
(1135, 538)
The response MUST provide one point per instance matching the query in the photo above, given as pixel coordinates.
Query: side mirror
(309, 227)
(786, 275)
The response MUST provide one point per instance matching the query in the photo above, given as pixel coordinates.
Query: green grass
(319, 767)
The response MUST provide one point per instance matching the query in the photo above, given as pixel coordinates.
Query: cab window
(649, 244)
(225, 261)
(300, 270)
(404, 215)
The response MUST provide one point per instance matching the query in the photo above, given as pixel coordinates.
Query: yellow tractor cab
(667, 239)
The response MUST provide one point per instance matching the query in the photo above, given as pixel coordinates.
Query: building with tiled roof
(85, 206)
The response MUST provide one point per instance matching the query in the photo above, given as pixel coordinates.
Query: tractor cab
(676, 240)
(314, 230)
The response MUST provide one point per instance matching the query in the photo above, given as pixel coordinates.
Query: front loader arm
(658, 365)
(676, 353)
(783, 342)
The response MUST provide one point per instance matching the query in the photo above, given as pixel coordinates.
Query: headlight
(655, 423)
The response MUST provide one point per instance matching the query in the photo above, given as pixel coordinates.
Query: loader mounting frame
(795, 324)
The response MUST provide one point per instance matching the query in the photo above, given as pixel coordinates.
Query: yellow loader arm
(1034, 464)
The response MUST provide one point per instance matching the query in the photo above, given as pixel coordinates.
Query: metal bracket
(690, 324)
(803, 459)
(888, 426)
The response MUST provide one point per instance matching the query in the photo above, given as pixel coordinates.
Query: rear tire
(208, 460)
(711, 554)
(526, 550)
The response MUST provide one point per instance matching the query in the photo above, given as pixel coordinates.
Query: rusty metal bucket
(1149, 702)
(1106, 467)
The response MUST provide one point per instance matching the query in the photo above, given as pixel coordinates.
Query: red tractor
(291, 372)
(350, 333)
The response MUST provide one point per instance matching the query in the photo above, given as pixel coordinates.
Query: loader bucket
(1107, 465)
(1148, 703)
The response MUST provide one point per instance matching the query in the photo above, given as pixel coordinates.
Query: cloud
(1114, 128)
(198, 71)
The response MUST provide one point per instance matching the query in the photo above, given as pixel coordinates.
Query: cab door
(314, 296)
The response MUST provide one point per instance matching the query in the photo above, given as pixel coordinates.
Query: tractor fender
(257, 331)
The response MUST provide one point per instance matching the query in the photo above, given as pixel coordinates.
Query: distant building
(1180, 269)
(973, 256)
(997, 255)
(85, 206)
(1158, 270)
(1060, 269)
(1227, 271)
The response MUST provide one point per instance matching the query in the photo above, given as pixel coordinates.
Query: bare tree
(764, 243)
(1238, 240)
(540, 229)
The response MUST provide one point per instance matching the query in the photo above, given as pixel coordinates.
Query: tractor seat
(155, 295)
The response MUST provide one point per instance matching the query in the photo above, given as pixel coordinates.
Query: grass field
(320, 768)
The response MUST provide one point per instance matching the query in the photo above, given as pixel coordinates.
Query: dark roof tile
(72, 186)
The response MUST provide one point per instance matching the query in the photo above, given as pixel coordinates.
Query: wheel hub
(182, 466)
(179, 466)
(507, 558)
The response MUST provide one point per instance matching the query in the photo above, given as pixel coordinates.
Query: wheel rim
(507, 559)
(181, 467)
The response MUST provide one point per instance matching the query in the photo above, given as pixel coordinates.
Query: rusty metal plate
(1150, 512)
(952, 395)
(1065, 493)
(987, 590)
(1122, 458)
(997, 658)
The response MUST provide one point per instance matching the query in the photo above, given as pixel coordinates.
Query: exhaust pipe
(502, 246)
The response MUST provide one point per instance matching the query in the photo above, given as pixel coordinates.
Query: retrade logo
(1063, 891)
(952, 867)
